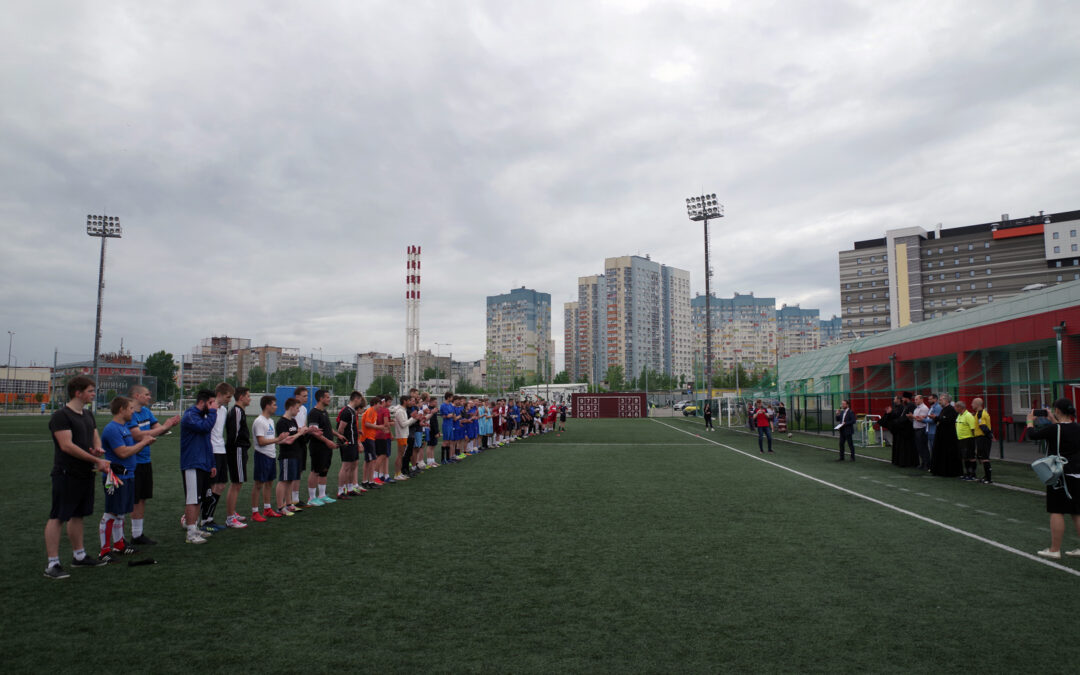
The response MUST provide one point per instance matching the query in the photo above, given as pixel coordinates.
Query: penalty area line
(892, 507)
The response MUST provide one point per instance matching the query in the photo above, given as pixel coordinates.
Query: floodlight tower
(702, 208)
(412, 317)
(104, 227)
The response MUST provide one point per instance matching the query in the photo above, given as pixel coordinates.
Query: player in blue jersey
(143, 424)
(446, 411)
(120, 449)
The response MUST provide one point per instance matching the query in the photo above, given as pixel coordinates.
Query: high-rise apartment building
(570, 329)
(912, 274)
(743, 331)
(519, 335)
(210, 358)
(636, 315)
(798, 330)
(831, 331)
(751, 331)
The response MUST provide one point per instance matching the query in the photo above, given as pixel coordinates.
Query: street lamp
(11, 385)
(702, 208)
(104, 227)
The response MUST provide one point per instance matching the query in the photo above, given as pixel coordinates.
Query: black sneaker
(143, 540)
(56, 572)
(90, 561)
(987, 481)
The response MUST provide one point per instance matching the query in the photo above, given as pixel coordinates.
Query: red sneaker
(274, 514)
(378, 481)
(258, 517)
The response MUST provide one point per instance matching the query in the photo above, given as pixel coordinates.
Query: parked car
(680, 405)
(689, 410)
(160, 405)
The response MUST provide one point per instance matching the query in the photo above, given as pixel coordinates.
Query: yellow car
(690, 410)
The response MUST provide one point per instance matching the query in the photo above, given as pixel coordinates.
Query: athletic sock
(79, 554)
(267, 506)
(295, 496)
(136, 527)
(255, 509)
(192, 530)
(322, 490)
(310, 494)
(55, 560)
(118, 531)
(105, 531)
(986, 470)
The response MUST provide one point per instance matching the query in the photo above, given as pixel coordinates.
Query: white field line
(892, 507)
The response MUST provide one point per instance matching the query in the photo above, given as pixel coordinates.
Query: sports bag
(1051, 469)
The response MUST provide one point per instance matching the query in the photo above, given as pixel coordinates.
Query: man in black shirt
(289, 458)
(348, 433)
(237, 442)
(77, 453)
(321, 448)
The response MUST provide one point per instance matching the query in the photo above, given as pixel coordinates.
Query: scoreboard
(609, 405)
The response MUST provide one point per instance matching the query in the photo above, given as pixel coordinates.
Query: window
(886, 294)
(955, 249)
(858, 273)
(956, 261)
(858, 261)
(1076, 276)
(989, 284)
(1029, 371)
(986, 245)
(847, 287)
(885, 258)
(860, 296)
(941, 264)
(931, 290)
(1057, 263)
(957, 288)
(988, 270)
(940, 251)
(873, 283)
(860, 284)
(873, 270)
(862, 321)
(1056, 235)
(847, 298)
(929, 251)
(987, 258)
(971, 260)
(1059, 277)
(971, 246)
(875, 319)
(929, 265)
(989, 298)
(971, 273)
(957, 276)
(1057, 249)
(942, 289)
(873, 258)
(1073, 247)
(1072, 233)
(972, 286)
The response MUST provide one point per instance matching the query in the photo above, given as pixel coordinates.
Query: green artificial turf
(619, 546)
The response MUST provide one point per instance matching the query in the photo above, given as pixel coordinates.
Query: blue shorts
(418, 439)
(448, 431)
(369, 450)
(264, 468)
(122, 500)
(289, 469)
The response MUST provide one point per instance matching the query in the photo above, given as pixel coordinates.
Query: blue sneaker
(213, 527)
(327, 500)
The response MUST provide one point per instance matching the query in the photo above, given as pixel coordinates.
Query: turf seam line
(892, 507)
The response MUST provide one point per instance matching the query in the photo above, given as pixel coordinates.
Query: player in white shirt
(223, 393)
(301, 395)
(265, 461)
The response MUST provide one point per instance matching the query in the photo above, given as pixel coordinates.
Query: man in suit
(846, 419)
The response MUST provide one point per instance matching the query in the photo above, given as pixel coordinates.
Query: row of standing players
(214, 443)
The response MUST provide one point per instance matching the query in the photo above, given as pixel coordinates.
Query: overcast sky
(271, 161)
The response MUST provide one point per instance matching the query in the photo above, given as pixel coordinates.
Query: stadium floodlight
(702, 209)
(105, 228)
(11, 385)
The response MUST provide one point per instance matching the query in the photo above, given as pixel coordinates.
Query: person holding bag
(1062, 437)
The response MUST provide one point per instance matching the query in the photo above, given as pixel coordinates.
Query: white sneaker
(234, 522)
(195, 539)
(401, 476)
(1075, 553)
(1047, 553)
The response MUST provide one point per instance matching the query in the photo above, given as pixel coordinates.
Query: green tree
(160, 365)
(383, 384)
(466, 387)
(434, 374)
(345, 381)
(615, 378)
(562, 377)
(256, 378)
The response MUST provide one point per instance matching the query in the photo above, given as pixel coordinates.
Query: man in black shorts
(321, 449)
(237, 442)
(348, 433)
(300, 446)
(144, 423)
(77, 453)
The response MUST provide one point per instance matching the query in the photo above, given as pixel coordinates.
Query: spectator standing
(918, 423)
(965, 439)
(984, 438)
(945, 458)
(763, 422)
(1061, 502)
(846, 419)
